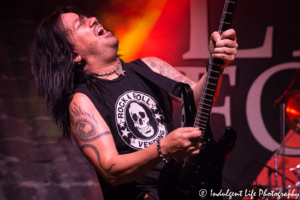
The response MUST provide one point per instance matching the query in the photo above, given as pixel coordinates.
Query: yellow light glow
(132, 41)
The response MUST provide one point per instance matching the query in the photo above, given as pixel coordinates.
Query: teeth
(100, 30)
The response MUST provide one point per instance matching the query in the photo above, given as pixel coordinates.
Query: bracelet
(160, 153)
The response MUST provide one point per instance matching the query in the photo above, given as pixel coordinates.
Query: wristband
(160, 153)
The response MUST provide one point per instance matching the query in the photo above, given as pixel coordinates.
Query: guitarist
(121, 122)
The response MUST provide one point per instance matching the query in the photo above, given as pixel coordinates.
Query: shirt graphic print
(139, 119)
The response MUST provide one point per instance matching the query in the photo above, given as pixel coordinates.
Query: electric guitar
(198, 176)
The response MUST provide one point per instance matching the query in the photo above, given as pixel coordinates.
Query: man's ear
(77, 58)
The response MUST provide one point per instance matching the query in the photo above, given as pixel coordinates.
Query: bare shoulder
(81, 101)
(80, 98)
(165, 69)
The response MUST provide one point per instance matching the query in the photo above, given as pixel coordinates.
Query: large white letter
(198, 31)
(199, 36)
(296, 53)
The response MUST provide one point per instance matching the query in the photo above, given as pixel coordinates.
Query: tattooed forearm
(84, 125)
(98, 156)
(96, 137)
(184, 80)
(167, 70)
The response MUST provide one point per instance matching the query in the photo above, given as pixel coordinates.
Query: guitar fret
(212, 77)
(203, 125)
(198, 121)
(231, 1)
(211, 83)
(202, 128)
(198, 116)
(207, 99)
(224, 23)
(228, 13)
(202, 120)
(214, 71)
(204, 108)
(203, 117)
(204, 113)
(216, 64)
(205, 104)
(210, 89)
(208, 94)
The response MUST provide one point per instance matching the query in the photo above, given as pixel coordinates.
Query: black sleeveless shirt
(138, 113)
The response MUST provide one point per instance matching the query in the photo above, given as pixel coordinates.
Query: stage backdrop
(267, 59)
(36, 164)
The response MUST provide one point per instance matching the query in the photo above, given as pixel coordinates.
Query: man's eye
(81, 23)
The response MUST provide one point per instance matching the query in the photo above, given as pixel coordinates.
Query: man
(120, 120)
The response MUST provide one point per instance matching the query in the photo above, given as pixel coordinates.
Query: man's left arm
(223, 47)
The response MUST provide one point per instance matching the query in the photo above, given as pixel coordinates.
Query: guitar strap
(178, 89)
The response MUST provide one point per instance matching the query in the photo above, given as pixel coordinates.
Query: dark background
(36, 163)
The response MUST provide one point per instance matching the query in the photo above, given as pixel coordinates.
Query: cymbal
(292, 112)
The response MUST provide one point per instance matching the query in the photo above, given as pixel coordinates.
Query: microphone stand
(281, 100)
(276, 168)
(283, 107)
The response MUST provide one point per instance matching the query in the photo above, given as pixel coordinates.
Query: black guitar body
(195, 177)
(204, 173)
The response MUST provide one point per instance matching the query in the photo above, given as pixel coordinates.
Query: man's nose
(92, 21)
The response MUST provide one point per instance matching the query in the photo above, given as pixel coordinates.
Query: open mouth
(100, 31)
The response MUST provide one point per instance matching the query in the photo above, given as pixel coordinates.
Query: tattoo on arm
(84, 125)
(168, 71)
(98, 156)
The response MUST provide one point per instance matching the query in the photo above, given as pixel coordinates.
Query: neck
(101, 66)
(104, 66)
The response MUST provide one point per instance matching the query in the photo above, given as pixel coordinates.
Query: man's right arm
(95, 140)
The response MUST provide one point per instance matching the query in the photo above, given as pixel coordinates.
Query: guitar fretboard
(214, 67)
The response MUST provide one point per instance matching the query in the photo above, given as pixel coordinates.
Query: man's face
(88, 37)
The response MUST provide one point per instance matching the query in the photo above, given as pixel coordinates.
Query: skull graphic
(140, 119)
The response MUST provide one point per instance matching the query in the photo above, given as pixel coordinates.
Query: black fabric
(168, 84)
(138, 113)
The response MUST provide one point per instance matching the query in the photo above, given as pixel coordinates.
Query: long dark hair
(55, 73)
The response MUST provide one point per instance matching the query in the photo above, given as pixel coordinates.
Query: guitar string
(186, 163)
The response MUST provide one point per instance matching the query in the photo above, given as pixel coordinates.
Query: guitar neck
(227, 15)
(214, 67)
